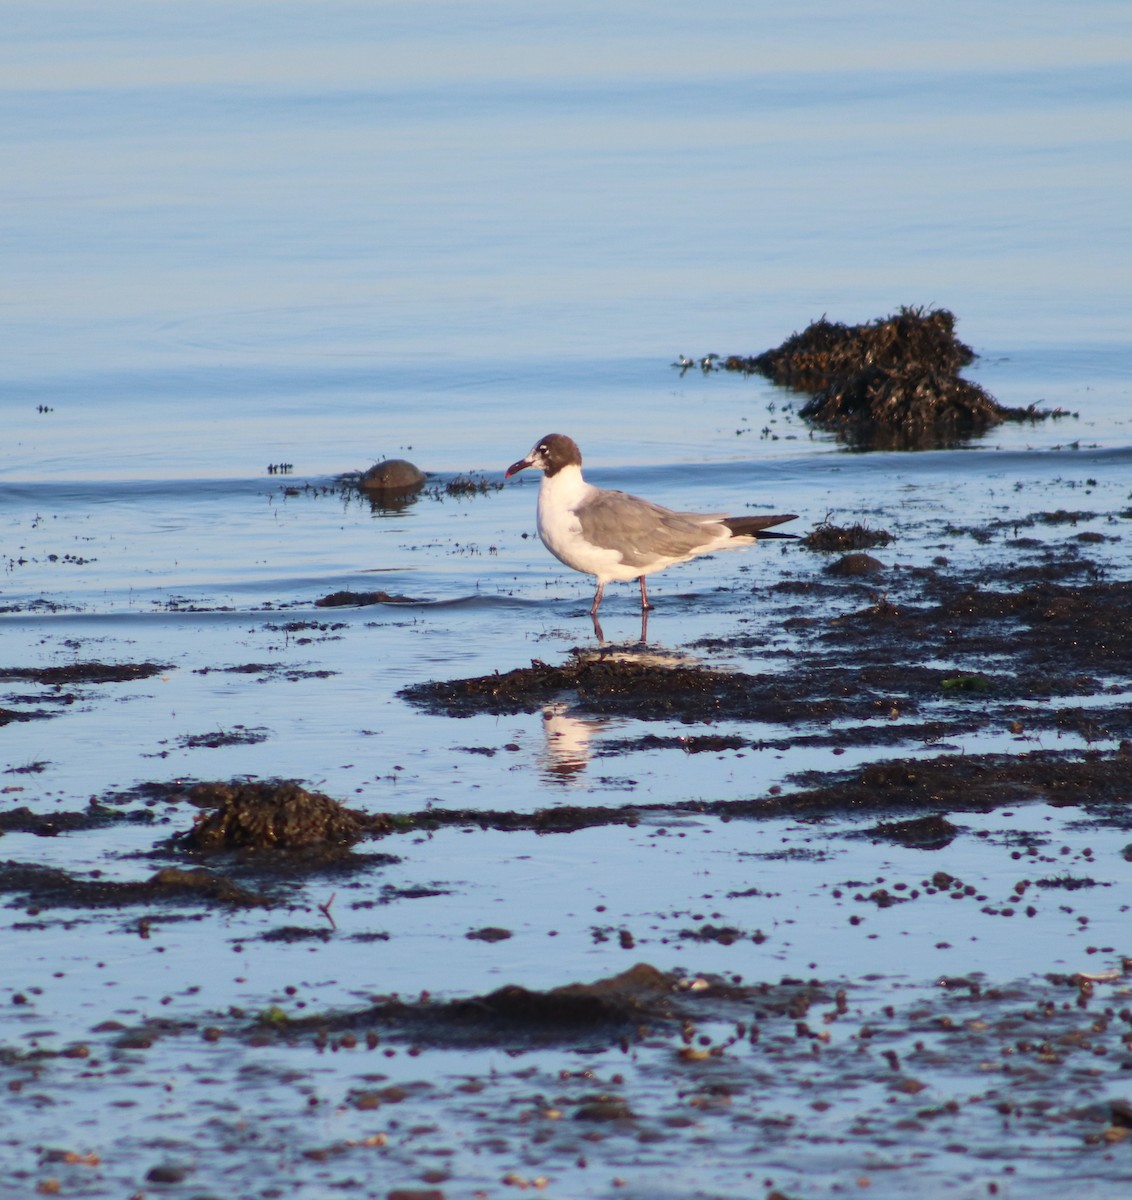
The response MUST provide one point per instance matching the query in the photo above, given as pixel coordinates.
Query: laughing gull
(617, 537)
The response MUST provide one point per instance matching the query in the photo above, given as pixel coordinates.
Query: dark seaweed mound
(890, 384)
(271, 816)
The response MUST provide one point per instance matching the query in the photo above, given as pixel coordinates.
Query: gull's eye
(542, 448)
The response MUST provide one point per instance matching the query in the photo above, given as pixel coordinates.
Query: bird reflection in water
(599, 633)
(566, 752)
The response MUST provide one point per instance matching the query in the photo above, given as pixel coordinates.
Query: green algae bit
(959, 684)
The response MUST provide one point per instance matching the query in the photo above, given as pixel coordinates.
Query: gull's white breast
(560, 528)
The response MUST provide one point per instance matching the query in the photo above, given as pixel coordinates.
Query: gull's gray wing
(643, 532)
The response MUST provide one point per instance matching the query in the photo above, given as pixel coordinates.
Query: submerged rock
(361, 599)
(392, 475)
(855, 564)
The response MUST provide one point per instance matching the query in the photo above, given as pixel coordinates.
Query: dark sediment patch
(80, 673)
(893, 733)
(150, 792)
(918, 833)
(289, 934)
(723, 935)
(1064, 517)
(95, 816)
(467, 485)
(489, 933)
(891, 383)
(268, 671)
(9, 715)
(709, 743)
(49, 887)
(39, 605)
(238, 735)
(626, 1007)
(566, 818)
(361, 599)
(31, 768)
(955, 783)
(1070, 883)
(307, 629)
(72, 675)
(610, 685)
(1051, 632)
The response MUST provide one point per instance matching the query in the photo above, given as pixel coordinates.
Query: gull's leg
(597, 599)
(644, 595)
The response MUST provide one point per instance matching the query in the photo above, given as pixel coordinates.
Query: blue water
(245, 234)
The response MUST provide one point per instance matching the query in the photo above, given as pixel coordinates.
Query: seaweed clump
(467, 485)
(889, 384)
(273, 815)
(829, 537)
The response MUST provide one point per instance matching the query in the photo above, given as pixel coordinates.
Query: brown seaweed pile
(828, 537)
(619, 686)
(889, 384)
(274, 815)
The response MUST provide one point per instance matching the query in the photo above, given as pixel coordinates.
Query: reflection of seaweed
(892, 383)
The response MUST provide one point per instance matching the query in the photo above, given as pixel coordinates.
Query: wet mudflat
(619, 1088)
(981, 695)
